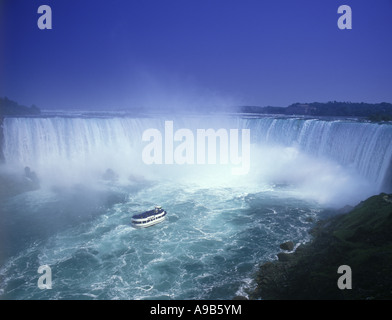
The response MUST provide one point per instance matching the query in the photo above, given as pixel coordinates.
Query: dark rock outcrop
(110, 175)
(1, 140)
(288, 245)
(361, 239)
(12, 184)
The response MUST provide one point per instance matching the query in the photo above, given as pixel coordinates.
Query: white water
(208, 247)
(219, 226)
(332, 161)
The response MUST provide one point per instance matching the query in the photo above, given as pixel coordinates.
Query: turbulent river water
(219, 226)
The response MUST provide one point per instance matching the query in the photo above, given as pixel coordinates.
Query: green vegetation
(361, 239)
(380, 117)
(373, 112)
(12, 108)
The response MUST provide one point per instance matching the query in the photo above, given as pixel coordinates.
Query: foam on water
(219, 227)
(208, 248)
(344, 155)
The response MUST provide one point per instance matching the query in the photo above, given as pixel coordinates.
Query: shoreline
(361, 239)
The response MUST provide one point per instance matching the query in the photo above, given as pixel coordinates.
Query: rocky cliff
(1, 140)
(360, 239)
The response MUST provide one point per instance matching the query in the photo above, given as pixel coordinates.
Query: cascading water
(93, 144)
(364, 147)
(219, 227)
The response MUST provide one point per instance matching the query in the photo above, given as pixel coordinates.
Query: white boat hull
(149, 218)
(148, 223)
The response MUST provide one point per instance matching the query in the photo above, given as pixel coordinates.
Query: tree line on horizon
(12, 108)
(372, 111)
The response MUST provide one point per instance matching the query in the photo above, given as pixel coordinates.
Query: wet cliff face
(1, 141)
(360, 239)
(387, 184)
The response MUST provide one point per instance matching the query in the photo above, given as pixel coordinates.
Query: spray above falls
(65, 149)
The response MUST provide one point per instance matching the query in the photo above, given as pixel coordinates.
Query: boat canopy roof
(147, 213)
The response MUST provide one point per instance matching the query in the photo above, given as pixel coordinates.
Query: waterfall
(82, 144)
(364, 147)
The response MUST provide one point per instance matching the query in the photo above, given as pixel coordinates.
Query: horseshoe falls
(219, 226)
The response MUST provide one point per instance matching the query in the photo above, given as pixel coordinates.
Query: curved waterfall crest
(116, 141)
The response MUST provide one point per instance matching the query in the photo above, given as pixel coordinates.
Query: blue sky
(194, 53)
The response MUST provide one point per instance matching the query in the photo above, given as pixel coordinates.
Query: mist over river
(219, 226)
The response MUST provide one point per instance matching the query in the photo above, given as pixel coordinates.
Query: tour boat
(149, 218)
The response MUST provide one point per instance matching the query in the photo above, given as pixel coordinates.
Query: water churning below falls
(219, 227)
